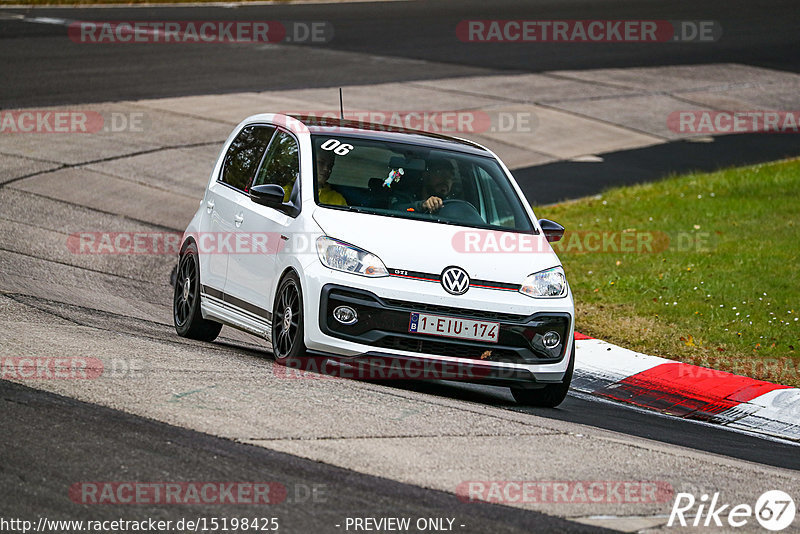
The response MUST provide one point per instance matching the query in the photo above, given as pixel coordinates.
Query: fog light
(551, 339)
(346, 315)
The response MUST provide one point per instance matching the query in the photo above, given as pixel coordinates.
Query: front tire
(186, 313)
(551, 395)
(287, 320)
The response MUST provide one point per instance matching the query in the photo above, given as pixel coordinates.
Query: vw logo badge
(455, 280)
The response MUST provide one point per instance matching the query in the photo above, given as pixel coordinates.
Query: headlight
(343, 257)
(551, 283)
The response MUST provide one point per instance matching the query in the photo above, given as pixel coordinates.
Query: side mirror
(270, 195)
(552, 230)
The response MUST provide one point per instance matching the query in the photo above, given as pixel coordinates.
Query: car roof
(387, 132)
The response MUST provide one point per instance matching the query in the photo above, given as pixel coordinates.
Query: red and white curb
(687, 391)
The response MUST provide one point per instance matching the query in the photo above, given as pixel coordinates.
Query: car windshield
(415, 182)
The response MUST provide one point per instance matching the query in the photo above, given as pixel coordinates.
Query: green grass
(723, 291)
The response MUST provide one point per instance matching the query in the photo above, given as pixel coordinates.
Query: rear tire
(287, 320)
(551, 395)
(186, 314)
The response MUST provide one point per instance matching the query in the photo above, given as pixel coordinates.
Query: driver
(437, 184)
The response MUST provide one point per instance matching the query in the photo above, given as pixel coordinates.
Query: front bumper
(383, 324)
(502, 368)
(431, 298)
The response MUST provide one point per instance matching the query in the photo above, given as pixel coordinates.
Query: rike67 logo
(774, 510)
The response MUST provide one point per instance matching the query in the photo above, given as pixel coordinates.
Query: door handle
(210, 206)
(238, 220)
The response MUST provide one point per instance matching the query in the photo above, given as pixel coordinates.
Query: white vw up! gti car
(355, 242)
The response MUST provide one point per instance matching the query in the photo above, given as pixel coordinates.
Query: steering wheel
(460, 211)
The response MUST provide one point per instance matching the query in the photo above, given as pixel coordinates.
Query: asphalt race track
(154, 451)
(388, 41)
(179, 410)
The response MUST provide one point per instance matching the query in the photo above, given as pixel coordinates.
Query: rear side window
(244, 155)
(282, 164)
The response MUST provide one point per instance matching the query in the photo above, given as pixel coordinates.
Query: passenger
(327, 194)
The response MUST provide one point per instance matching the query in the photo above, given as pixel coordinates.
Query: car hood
(430, 247)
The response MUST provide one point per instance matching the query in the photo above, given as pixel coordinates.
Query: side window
(500, 212)
(504, 212)
(281, 165)
(244, 155)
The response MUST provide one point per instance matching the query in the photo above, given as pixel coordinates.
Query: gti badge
(455, 280)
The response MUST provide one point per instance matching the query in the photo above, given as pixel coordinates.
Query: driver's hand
(432, 204)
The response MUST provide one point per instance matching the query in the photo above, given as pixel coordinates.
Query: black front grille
(459, 312)
(444, 348)
(384, 323)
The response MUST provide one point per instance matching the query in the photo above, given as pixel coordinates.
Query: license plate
(439, 325)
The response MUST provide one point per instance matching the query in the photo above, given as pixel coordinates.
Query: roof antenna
(341, 105)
